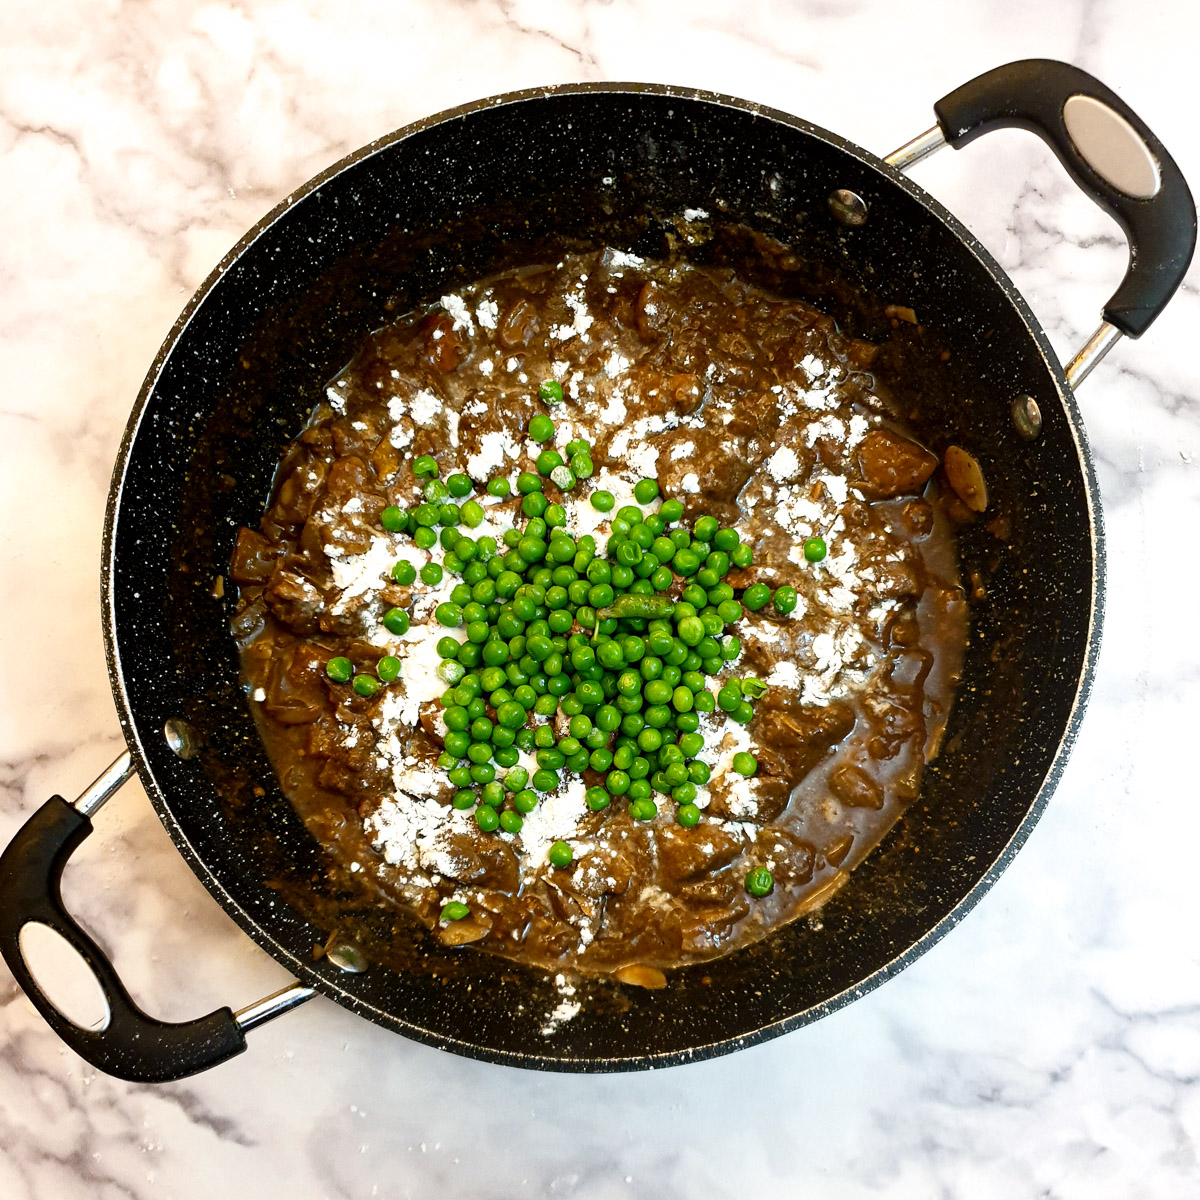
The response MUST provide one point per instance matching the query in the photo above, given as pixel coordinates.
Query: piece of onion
(966, 478)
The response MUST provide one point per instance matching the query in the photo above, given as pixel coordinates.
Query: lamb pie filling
(604, 615)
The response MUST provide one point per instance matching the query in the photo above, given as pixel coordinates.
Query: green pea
(396, 621)
(597, 798)
(487, 818)
(814, 549)
(448, 614)
(650, 739)
(760, 882)
(550, 392)
(671, 510)
(472, 514)
(510, 821)
(541, 428)
(510, 715)
(464, 798)
(450, 670)
(645, 490)
(729, 610)
(365, 685)
(532, 549)
(562, 477)
(603, 501)
(388, 668)
(687, 815)
(525, 801)
(756, 596)
(431, 573)
(534, 505)
(394, 519)
(581, 466)
(560, 854)
(548, 460)
(643, 809)
(675, 774)
(425, 466)
(785, 599)
(339, 669)
(455, 910)
(745, 764)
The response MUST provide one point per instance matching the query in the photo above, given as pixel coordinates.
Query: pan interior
(478, 191)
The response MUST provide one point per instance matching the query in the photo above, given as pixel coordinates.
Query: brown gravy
(743, 406)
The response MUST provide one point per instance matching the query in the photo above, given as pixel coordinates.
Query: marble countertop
(1048, 1047)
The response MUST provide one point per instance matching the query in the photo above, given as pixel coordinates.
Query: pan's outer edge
(304, 970)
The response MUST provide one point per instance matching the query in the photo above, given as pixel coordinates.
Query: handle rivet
(847, 207)
(181, 739)
(1027, 417)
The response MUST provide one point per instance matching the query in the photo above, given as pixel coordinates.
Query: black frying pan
(516, 179)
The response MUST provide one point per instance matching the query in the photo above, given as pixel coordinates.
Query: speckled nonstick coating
(438, 205)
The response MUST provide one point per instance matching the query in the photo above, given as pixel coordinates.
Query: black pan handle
(1109, 152)
(133, 1045)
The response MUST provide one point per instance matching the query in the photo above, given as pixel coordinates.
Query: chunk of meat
(721, 469)
(297, 687)
(293, 600)
(895, 726)
(348, 516)
(891, 465)
(485, 862)
(299, 489)
(689, 854)
(854, 787)
(792, 739)
(709, 928)
(253, 558)
(445, 347)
